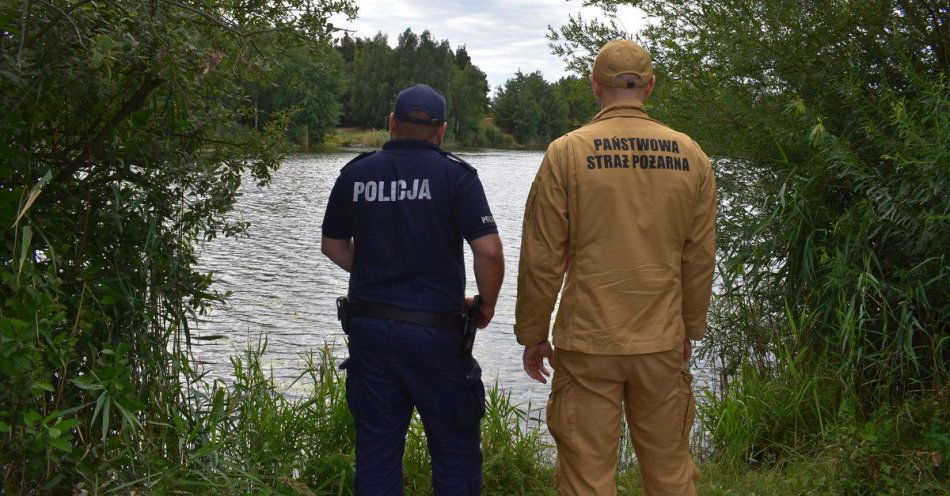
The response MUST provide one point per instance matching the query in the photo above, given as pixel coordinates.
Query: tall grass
(252, 435)
(834, 310)
(248, 436)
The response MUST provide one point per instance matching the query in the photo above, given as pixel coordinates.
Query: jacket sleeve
(544, 242)
(699, 256)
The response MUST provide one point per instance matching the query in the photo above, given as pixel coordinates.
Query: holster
(468, 333)
(343, 313)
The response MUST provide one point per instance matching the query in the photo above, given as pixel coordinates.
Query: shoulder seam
(357, 158)
(455, 158)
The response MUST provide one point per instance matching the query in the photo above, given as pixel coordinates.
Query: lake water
(284, 288)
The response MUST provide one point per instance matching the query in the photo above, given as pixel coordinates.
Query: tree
(379, 72)
(579, 99)
(126, 131)
(371, 83)
(462, 59)
(830, 127)
(528, 107)
(467, 100)
(310, 83)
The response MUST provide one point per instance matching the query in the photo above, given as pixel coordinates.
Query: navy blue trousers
(393, 367)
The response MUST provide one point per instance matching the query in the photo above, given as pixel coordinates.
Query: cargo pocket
(468, 395)
(354, 387)
(689, 412)
(561, 412)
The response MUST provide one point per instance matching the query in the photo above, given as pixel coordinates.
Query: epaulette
(357, 159)
(455, 158)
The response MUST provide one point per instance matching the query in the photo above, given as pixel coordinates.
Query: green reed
(253, 435)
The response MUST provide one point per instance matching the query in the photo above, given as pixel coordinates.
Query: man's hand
(687, 350)
(485, 312)
(533, 360)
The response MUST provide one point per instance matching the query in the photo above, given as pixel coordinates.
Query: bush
(125, 132)
(533, 110)
(491, 136)
(901, 449)
(829, 128)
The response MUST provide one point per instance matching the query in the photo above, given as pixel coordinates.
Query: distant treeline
(376, 72)
(535, 111)
(354, 84)
(527, 107)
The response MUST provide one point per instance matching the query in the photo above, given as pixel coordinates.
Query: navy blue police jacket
(407, 209)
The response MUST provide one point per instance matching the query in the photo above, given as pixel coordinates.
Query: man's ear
(442, 129)
(649, 87)
(392, 124)
(595, 87)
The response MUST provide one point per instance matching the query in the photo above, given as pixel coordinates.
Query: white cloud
(501, 36)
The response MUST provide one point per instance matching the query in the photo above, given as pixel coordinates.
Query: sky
(501, 36)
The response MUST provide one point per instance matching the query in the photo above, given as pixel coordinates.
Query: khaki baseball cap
(622, 57)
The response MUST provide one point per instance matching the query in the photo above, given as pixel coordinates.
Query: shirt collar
(622, 108)
(410, 144)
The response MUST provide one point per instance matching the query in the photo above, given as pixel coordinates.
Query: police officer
(395, 220)
(626, 208)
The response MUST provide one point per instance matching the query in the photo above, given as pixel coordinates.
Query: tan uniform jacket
(626, 207)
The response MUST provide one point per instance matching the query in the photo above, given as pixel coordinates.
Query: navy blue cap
(420, 98)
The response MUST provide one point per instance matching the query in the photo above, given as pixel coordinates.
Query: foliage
(371, 87)
(829, 124)
(536, 112)
(515, 452)
(251, 435)
(126, 131)
(532, 110)
(468, 99)
(799, 478)
(378, 72)
(579, 98)
(528, 107)
(901, 449)
(490, 135)
(767, 419)
(308, 80)
(578, 41)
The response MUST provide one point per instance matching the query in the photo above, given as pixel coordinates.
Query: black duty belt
(373, 310)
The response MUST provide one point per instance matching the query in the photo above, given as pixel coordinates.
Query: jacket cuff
(530, 339)
(696, 333)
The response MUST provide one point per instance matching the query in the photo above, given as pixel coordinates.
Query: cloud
(501, 36)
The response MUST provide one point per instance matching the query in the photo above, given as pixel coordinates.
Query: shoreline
(369, 139)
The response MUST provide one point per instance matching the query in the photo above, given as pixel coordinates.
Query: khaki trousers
(588, 394)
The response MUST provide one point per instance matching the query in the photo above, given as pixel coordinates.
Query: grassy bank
(488, 136)
(249, 436)
(351, 136)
